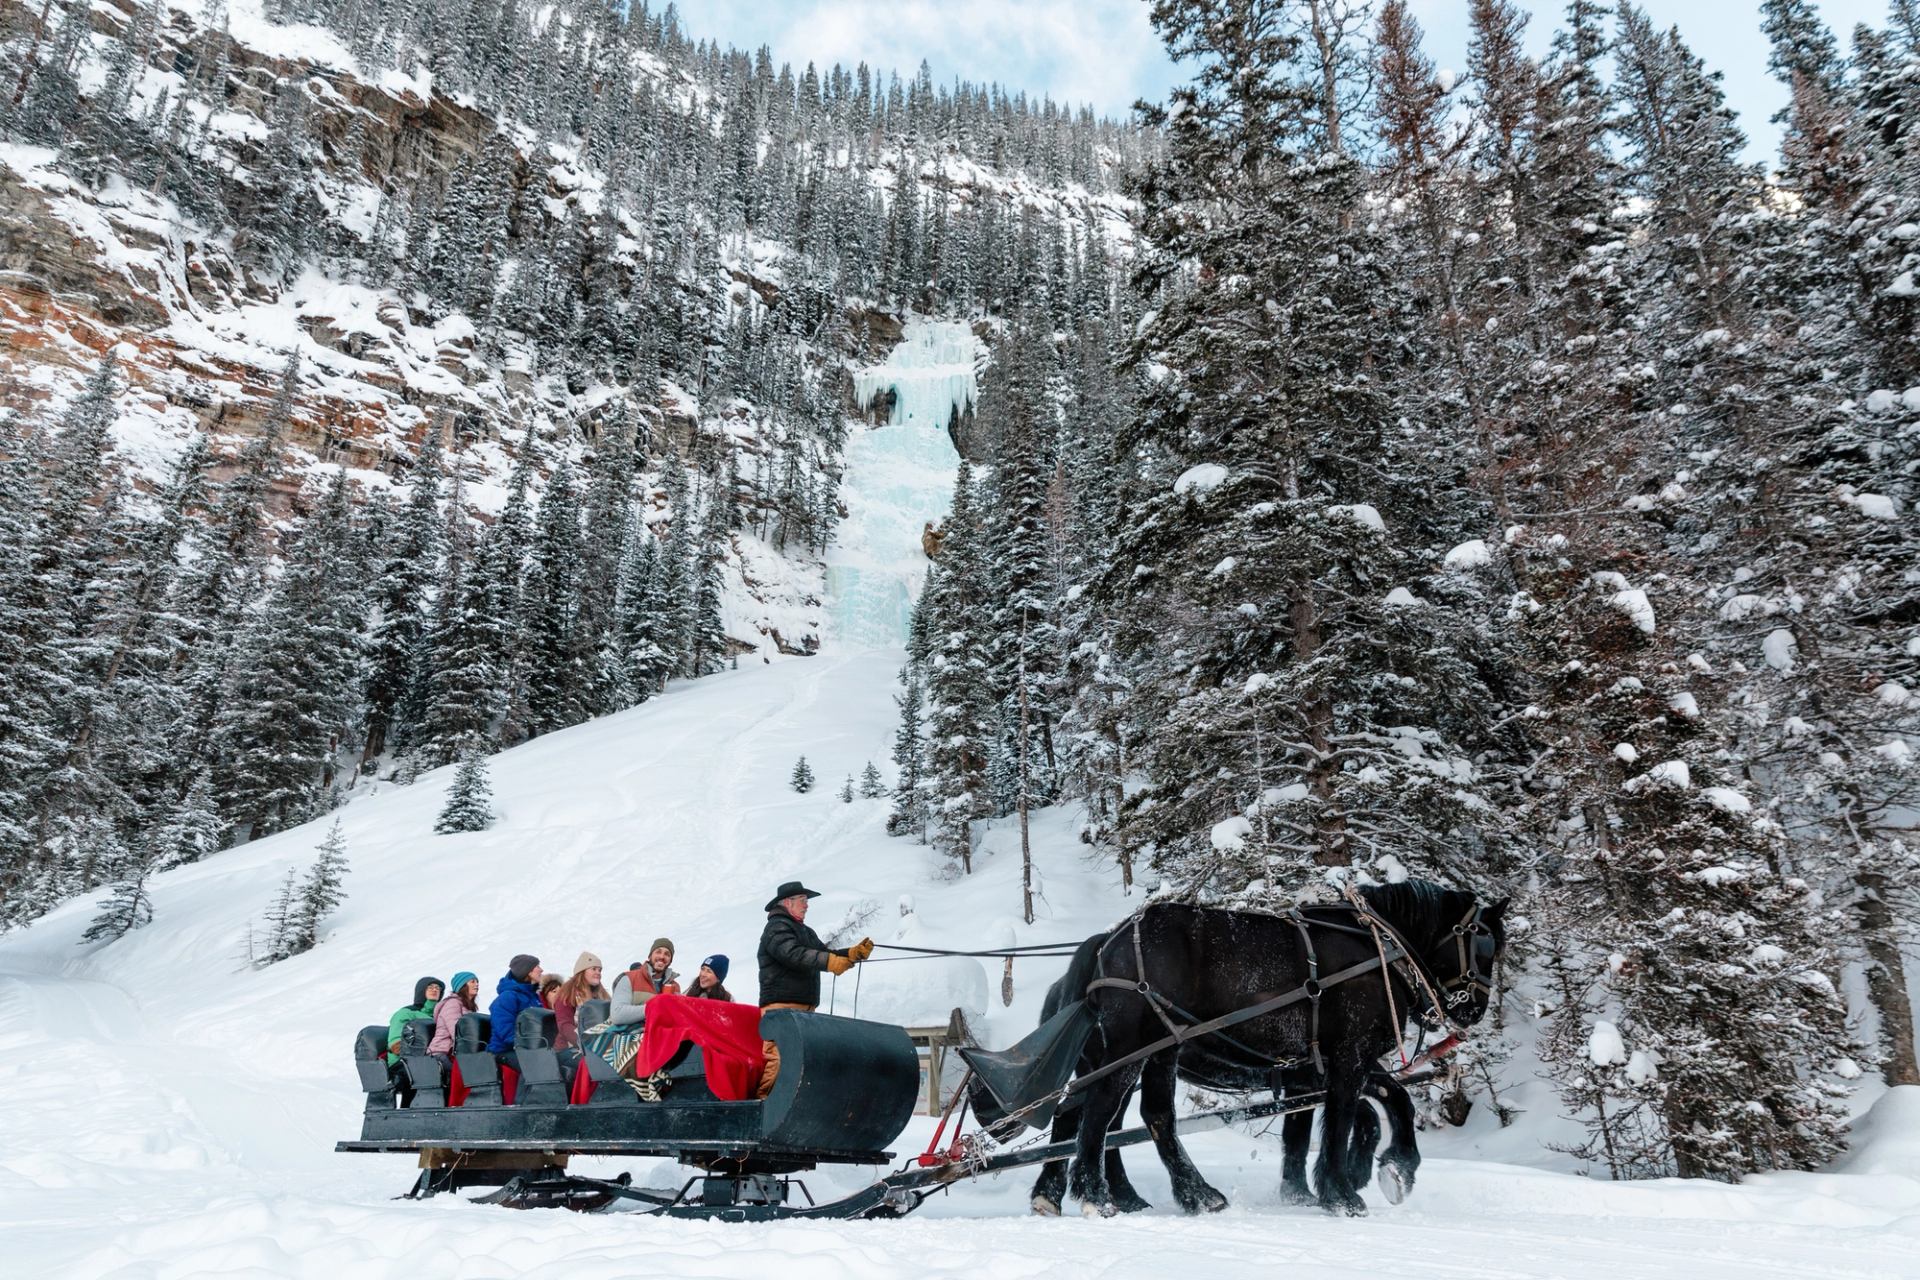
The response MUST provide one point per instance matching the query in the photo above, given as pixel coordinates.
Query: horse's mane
(1420, 909)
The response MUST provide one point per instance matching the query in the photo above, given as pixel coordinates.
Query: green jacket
(397, 1024)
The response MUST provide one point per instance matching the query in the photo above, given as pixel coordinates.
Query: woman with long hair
(583, 986)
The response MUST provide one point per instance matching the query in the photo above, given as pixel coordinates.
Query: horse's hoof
(1130, 1202)
(1046, 1206)
(1395, 1181)
(1098, 1208)
(1296, 1193)
(1349, 1208)
(1203, 1200)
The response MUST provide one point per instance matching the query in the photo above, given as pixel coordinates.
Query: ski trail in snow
(745, 748)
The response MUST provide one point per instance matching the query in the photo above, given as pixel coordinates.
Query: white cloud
(1102, 52)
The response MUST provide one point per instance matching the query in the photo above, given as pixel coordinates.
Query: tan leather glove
(860, 950)
(838, 965)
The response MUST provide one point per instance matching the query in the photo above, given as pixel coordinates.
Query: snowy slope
(171, 1113)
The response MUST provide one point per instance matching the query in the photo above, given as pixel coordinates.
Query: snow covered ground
(169, 1112)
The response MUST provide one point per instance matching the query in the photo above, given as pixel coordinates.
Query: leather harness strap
(1180, 1034)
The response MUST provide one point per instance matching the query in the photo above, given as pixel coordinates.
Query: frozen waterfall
(899, 479)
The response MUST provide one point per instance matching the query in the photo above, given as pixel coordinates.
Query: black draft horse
(1228, 1072)
(1211, 962)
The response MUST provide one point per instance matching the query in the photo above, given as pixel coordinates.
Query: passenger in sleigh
(641, 983)
(616, 1038)
(706, 983)
(462, 998)
(583, 986)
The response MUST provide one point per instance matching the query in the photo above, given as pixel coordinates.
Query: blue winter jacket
(514, 995)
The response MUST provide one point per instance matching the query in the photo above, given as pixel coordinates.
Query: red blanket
(728, 1036)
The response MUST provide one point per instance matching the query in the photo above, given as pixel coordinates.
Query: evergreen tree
(801, 779)
(467, 807)
(1254, 571)
(127, 908)
(276, 940)
(192, 830)
(293, 688)
(557, 674)
(960, 703)
(320, 893)
(846, 790)
(404, 597)
(646, 658)
(707, 639)
(909, 806)
(872, 786)
(465, 675)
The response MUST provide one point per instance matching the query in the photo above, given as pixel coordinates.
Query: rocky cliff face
(151, 229)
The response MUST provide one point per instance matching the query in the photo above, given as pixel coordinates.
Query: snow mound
(1359, 513)
(1727, 800)
(1780, 649)
(1605, 1047)
(1634, 603)
(1400, 597)
(1231, 833)
(1874, 506)
(1673, 773)
(1472, 554)
(1200, 480)
(1886, 1140)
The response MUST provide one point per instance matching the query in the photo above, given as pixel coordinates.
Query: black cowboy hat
(788, 890)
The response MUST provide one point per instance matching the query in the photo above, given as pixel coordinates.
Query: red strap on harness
(457, 1091)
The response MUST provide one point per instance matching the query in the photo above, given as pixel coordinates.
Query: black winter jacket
(792, 958)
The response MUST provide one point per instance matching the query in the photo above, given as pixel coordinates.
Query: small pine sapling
(802, 779)
(467, 807)
(127, 908)
(274, 946)
(871, 785)
(846, 790)
(320, 894)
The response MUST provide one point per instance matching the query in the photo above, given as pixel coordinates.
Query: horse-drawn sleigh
(1298, 1006)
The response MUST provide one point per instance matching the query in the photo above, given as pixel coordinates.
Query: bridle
(1475, 950)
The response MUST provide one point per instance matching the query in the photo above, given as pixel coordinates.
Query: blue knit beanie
(719, 966)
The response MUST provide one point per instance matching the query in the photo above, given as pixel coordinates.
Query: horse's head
(1462, 958)
(1456, 939)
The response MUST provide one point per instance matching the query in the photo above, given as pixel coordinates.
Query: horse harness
(1475, 948)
